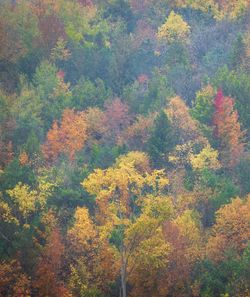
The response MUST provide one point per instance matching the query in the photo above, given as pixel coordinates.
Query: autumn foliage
(116, 118)
(227, 129)
(67, 138)
(231, 230)
(49, 268)
(13, 281)
(174, 29)
(124, 167)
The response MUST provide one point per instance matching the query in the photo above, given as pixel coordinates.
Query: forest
(124, 148)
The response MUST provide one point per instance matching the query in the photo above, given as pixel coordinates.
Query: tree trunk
(123, 275)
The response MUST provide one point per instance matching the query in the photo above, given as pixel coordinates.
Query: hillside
(124, 148)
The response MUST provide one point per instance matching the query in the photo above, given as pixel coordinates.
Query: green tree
(203, 108)
(151, 96)
(162, 140)
(237, 53)
(53, 92)
(89, 94)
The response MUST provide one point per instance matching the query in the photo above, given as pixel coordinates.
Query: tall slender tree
(227, 130)
(162, 140)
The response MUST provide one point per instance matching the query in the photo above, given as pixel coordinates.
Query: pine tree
(162, 140)
(237, 52)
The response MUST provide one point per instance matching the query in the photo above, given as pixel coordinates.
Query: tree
(51, 30)
(204, 6)
(247, 51)
(120, 9)
(53, 93)
(151, 255)
(90, 94)
(13, 281)
(219, 8)
(174, 29)
(149, 97)
(185, 127)
(186, 130)
(18, 29)
(235, 84)
(97, 265)
(184, 237)
(232, 9)
(203, 107)
(26, 202)
(7, 124)
(6, 153)
(213, 190)
(119, 192)
(96, 130)
(237, 54)
(137, 134)
(116, 119)
(227, 130)
(24, 198)
(207, 158)
(47, 282)
(67, 138)
(228, 277)
(18, 35)
(27, 110)
(231, 230)
(83, 232)
(161, 141)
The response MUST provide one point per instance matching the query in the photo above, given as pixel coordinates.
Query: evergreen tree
(237, 53)
(161, 141)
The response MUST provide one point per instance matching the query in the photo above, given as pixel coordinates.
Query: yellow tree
(148, 249)
(231, 230)
(164, 246)
(121, 191)
(26, 201)
(174, 29)
(183, 234)
(191, 141)
(207, 158)
(231, 9)
(96, 265)
(24, 198)
(189, 226)
(185, 126)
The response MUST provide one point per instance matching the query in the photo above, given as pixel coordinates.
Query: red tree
(227, 130)
(116, 119)
(49, 268)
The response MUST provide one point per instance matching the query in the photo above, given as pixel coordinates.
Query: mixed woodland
(124, 148)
